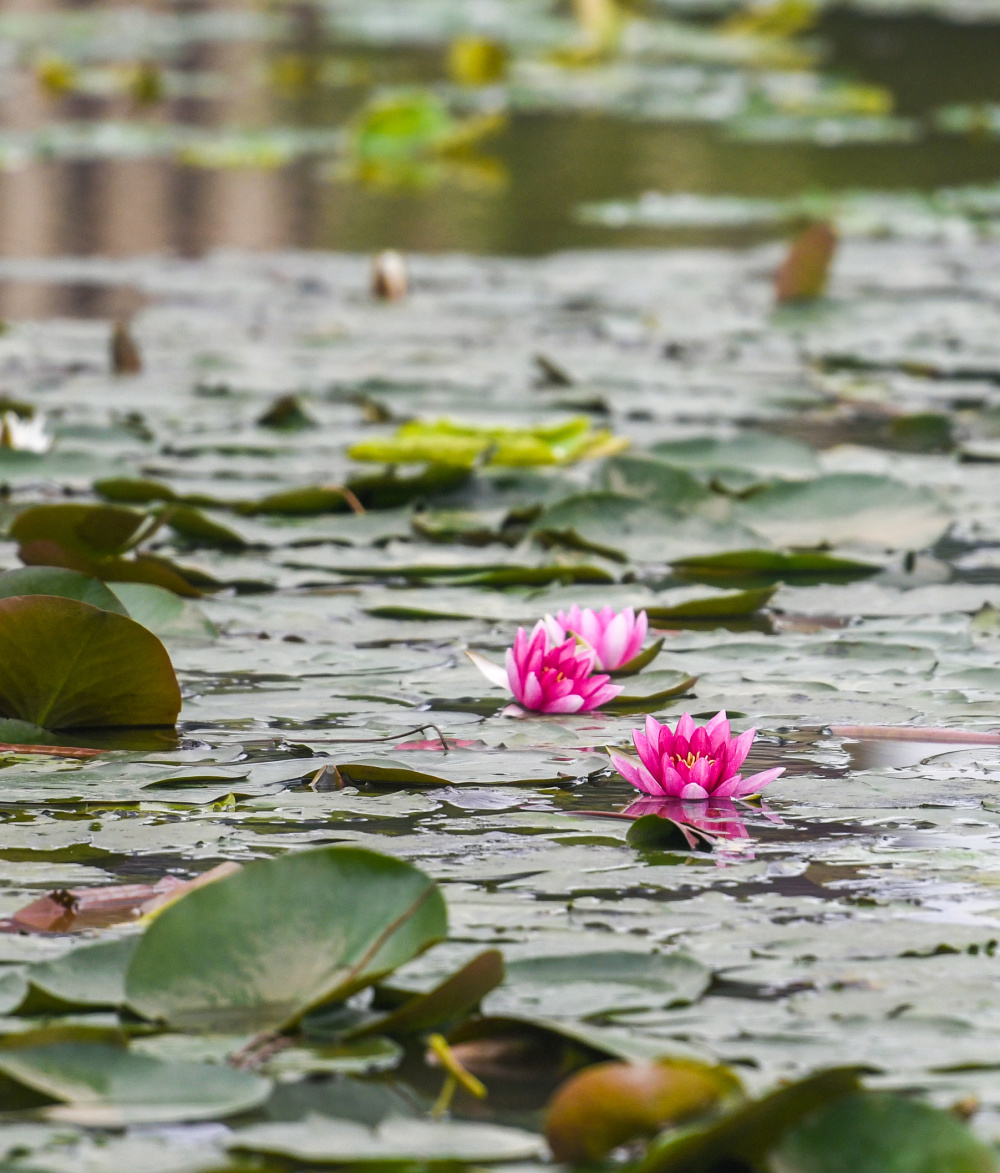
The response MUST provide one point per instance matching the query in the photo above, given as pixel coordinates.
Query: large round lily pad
(258, 950)
(56, 580)
(65, 664)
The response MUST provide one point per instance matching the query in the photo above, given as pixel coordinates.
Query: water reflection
(162, 149)
(718, 817)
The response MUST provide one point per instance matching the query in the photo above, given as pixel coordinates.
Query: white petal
(493, 672)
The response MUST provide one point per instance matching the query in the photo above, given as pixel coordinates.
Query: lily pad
(754, 568)
(64, 584)
(65, 664)
(261, 948)
(104, 1086)
(318, 1140)
(90, 977)
(876, 1132)
(165, 614)
(590, 985)
(847, 507)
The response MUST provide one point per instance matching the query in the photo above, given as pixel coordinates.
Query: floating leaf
(191, 523)
(650, 478)
(747, 1134)
(610, 1104)
(90, 977)
(446, 442)
(586, 985)
(64, 584)
(133, 490)
(94, 531)
(640, 661)
(165, 614)
(757, 455)
(65, 664)
(657, 833)
(287, 414)
(760, 567)
(875, 1132)
(646, 693)
(318, 1140)
(847, 507)
(447, 1003)
(260, 949)
(103, 1086)
(717, 607)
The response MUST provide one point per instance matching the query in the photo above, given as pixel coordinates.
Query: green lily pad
(194, 525)
(165, 614)
(717, 607)
(875, 1132)
(446, 1003)
(646, 693)
(133, 490)
(855, 507)
(318, 1140)
(753, 568)
(103, 1086)
(64, 584)
(90, 977)
(764, 457)
(747, 1134)
(261, 948)
(590, 985)
(65, 664)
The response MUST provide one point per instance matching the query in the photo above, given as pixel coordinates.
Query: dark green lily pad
(755, 568)
(65, 664)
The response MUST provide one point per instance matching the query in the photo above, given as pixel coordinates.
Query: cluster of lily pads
(216, 991)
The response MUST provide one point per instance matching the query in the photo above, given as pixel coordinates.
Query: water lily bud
(389, 276)
(125, 356)
(609, 1104)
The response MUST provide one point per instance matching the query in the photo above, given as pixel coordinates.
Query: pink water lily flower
(615, 636)
(692, 762)
(549, 679)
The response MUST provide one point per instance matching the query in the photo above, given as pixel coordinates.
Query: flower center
(691, 758)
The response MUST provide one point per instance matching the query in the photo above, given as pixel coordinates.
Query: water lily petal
(738, 749)
(693, 790)
(532, 696)
(635, 773)
(718, 731)
(493, 672)
(756, 782)
(564, 704)
(614, 643)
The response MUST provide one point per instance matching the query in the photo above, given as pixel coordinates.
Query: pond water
(129, 131)
(850, 916)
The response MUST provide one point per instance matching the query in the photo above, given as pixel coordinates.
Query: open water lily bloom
(550, 679)
(614, 636)
(692, 761)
